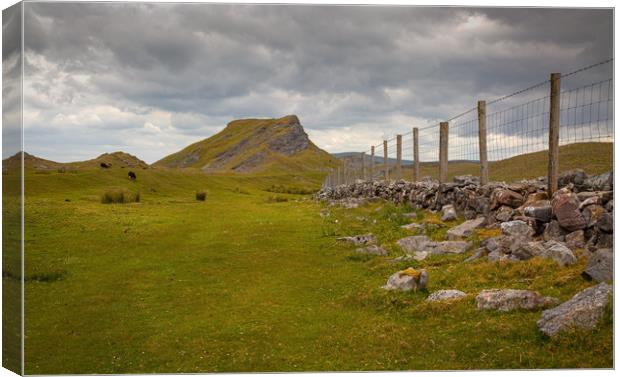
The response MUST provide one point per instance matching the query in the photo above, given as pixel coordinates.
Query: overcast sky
(150, 79)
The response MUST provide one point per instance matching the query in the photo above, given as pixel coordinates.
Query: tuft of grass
(277, 199)
(119, 196)
(201, 195)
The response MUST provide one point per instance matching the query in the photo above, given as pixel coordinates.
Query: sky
(149, 79)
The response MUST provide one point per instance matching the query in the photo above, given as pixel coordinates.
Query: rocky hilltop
(253, 145)
(109, 160)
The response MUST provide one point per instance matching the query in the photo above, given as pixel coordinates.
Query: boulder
(414, 243)
(575, 240)
(506, 300)
(409, 279)
(600, 265)
(420, 255)
(372, 250)
(466, 179)
(539, 210)
(553, 231)
(559, 253)
(606, 222)
(527, 250)
(565, 207)
(592, 214)
(445, 294)
(413, 226)
(465, 229)
(577, 177)
(504, 213)
(480, 252)
(506, 197)
(363, 239)
(583, 311)
(517, 228)
(451, 247)
(448, 212)
(603, 181)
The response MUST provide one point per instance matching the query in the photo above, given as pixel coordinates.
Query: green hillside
(253, 145)
(594, 158)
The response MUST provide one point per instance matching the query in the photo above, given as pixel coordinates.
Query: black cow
(132, 175)
(105, 165)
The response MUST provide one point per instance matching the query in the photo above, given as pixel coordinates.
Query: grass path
(244, 283)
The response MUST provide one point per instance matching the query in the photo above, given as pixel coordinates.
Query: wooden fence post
(482, 142)
(372, 163)
(385, 160)
(416, 156)
(443, 152)
(399, 156)
(554, 133)
(363, 172)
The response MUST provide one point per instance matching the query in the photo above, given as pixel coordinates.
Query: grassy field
(254, 280)
(594, 158)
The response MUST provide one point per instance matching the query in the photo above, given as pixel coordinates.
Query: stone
(575, 240)
(517, 228)
(577, 177)
(539, 210)
(504, 213)
(565, 207)
(496, 256)
(600, 265)
(448, 213)
(465, 229)
(592, 200)
(445, 294)
(603, 181)
(592, 214)
(559, 253)
(506, 197)
(583, 311)
(466, 179)
(407, 280)
(606, 222)
(553, 231)
(506, 300)
(413, 243)
(480, 252)
(420, 255)
(413, 226)
(609, 206)
(372, 250)
(451, 247)
(362, 239)
(527, 250)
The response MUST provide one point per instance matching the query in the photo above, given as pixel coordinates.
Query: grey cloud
(333, 65)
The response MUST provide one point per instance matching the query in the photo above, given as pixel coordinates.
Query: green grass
(242, 283)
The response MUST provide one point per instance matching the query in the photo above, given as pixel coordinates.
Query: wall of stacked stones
(584, 204)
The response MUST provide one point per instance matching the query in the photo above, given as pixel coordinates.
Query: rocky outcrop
(583, 311)
(506, 300)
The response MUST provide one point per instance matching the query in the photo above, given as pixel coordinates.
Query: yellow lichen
(410, 272)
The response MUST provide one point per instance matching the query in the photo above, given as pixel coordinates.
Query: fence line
(566, 108)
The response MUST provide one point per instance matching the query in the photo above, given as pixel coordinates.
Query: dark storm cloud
(177, 72)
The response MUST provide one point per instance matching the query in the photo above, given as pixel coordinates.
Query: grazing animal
(105, 165)
(132, 175)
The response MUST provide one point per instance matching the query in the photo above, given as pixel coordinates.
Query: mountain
(253, 145)
(30, 162)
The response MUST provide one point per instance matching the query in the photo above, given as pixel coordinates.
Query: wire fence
(516, 124)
